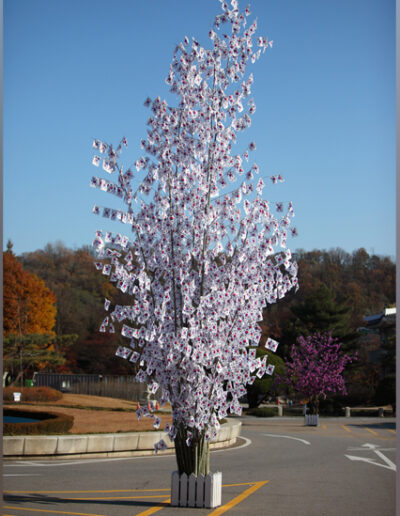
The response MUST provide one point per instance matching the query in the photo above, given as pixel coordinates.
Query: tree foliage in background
(386, 388)
(318, 311)
(28, 304)
(337, 289)
(355, 284)
(80, 294)
(25, 354)
(315, 368)
(266, 386)
(30, 342)
(364, 292)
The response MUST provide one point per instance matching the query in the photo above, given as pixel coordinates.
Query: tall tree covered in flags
(198, 257)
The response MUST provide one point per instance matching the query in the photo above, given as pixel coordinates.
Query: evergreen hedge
(50, 423)
(262, 412)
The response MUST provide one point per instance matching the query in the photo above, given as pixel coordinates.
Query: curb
(128, 444)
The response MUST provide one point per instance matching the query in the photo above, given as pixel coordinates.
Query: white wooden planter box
(311, 420)
(195, 491)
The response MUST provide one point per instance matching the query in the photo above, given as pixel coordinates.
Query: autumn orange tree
(29, 306)
(29, 318)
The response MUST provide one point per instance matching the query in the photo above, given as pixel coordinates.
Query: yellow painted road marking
(52, 511)
(244, 495)
(157, 508)
(241, 484)
(238, 498)
(323, 427)
(393, 431)
(346, 428)
(372, 431)
(147, 512)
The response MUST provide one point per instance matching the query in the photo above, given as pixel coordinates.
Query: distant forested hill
(336, 290)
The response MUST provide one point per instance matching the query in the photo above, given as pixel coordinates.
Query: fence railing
(112, 386)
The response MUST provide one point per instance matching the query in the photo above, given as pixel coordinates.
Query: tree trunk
(17, 380)
(21, 369)
(252, 399)
(194, 458)
(313, 406)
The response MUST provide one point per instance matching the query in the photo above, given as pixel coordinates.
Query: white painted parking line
(21, 475)
(289, 437)
(246, 443)
(58, 462)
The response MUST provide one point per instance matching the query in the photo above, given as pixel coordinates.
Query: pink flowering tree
(200, 263)
(315, 368)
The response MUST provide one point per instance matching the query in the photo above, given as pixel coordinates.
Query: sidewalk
(102, 445)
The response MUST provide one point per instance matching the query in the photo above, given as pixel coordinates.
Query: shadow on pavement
(378, 426)
(46, 500)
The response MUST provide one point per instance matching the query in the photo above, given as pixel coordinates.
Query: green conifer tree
(320, 311)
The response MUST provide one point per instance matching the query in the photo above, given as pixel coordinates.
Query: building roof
(385, 319)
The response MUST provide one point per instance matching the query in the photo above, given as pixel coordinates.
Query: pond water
(19, 419)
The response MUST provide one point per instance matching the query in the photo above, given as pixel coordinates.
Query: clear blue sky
(325, 94)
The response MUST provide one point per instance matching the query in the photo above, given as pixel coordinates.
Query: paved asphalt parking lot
(345, 466)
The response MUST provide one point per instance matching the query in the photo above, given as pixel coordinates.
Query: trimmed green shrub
(50, 423)
(369, 413)
(263, 387)
(293, 411)
(262, 412)
(331, 407)
(32, 394)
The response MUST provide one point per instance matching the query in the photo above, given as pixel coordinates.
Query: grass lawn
(96, 414)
